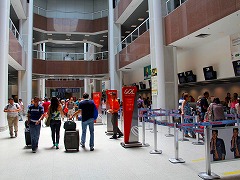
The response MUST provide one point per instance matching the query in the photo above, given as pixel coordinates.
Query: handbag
(48, 120)
(69, 126)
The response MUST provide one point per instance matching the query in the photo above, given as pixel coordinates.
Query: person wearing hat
(12, 110)
(114, 108)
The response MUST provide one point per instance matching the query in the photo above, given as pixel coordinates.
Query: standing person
(12, 110)
(46, 104)
(55, 111)
(114, 108)
(71, 106)
(21, 112)
(204, 105)
(237, 106)
(186, 110)
(234, 101)
(35, 115)
(140, 102)
(76, 106)
(217, 147)
(228, 101)
(86, 109)
(235, 143)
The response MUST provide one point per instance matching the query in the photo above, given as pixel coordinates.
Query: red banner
(129, 94)
(97, 99)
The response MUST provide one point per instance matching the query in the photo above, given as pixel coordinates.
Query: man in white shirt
(12, 110)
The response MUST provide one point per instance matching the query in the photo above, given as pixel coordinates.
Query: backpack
(15, 105)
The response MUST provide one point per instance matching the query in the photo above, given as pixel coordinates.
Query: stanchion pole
(170, 120)
(155, 151)
(143, 134)
(197, 134)
(208, 174)
(176, 159)
(182, 121)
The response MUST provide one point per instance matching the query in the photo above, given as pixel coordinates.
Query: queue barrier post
(208, 174)
(176, 159)
(170, 120)
(183, 137)
(198, 142)
(144, 144)
(155, 151)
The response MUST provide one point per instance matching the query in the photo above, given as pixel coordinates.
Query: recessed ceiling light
(127, 31)
(49, 34)
(87, 35)
(133, 26)
(101, 40)
(68, 34)
(105, 36)
(67, 39)
(141, 19)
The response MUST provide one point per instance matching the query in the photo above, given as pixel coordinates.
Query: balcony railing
(134, 35)
(16, 33)
(72, 14)
(64, 56)
(171, 5)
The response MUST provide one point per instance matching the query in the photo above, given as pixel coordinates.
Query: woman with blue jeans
(55, 110)
(186, 110)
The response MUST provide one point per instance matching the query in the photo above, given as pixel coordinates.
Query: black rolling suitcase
(71, 140)
(27, 134)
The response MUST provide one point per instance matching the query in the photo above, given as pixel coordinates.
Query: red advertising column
(97, 101)
(130, 123)
(109, 115)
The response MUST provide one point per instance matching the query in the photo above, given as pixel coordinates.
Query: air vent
(202, 35)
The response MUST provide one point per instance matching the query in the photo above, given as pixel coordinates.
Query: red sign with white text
(128, 94)
(97, 99)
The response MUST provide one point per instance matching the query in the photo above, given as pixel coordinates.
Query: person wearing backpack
(12, 110)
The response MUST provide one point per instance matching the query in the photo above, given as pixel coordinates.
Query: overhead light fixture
(105, 36)
(141, 19)
(67, 39)
(49, 34)
(87, 35)
(101, 40)
(127, 32)
(68, 34)
(202, 35)
(50, 39)
(133, 26)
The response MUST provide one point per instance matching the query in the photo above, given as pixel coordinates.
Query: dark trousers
(114, 120)
(55, 128)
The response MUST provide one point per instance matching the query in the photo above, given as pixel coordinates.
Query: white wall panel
(216, 54)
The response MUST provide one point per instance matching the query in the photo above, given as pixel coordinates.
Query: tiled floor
(109, 161)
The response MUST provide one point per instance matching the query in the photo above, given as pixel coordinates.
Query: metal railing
(15, 32)
(171, 5)
(64, 56)
(133, 35)
(71, 14)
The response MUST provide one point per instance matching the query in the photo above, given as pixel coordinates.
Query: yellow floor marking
(231, 173)
(198, 160)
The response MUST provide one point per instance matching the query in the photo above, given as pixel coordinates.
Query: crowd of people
(40, 110)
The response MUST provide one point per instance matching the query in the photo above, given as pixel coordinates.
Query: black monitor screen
(236, 67)
(182, 78)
